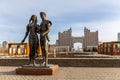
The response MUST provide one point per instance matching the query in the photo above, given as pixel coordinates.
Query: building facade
(90, 39)
(64, 39)
(109, 48)
(118, 36)
(4, 44)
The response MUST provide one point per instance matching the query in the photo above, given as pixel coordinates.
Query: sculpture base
(37, 70)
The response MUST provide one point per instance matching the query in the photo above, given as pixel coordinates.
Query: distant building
(4, 44)
(65, 38)
(0, 45)
(118, 36)
(90, 39)
(109, 48)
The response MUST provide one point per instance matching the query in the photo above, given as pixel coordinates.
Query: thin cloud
(15, 14)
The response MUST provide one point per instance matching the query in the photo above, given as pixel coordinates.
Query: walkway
(65, 73)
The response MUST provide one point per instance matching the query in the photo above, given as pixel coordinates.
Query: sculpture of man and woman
(32, 30)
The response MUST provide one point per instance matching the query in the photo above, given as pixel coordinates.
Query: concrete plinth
(37, 70)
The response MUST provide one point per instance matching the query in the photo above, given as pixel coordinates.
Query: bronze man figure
(44, 30)
(31, 30)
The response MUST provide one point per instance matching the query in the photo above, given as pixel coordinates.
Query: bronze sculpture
(44, 30)
(31, 30)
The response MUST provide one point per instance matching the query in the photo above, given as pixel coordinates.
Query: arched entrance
(78, 47)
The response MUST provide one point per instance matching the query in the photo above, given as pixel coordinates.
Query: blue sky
(101, 15)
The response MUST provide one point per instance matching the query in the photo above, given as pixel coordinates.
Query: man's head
(43, 15)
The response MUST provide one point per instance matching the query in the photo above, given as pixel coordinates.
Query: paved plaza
(65, 73)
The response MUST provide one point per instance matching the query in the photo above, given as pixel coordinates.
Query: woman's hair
(31, 19)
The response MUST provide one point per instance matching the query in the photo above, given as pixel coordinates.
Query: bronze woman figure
(31, 30)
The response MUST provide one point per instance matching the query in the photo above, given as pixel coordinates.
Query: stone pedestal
(37, 70)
